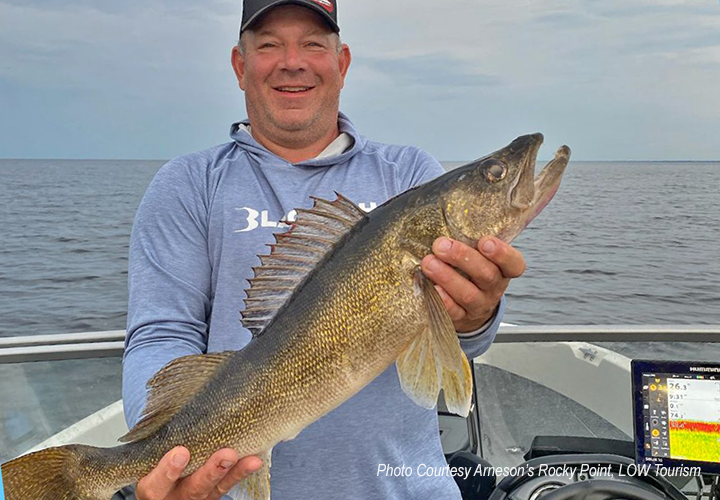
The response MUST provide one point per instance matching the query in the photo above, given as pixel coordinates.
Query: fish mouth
(547, 182)
(522, 189)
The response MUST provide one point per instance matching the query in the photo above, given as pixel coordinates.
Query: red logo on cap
(325, 4)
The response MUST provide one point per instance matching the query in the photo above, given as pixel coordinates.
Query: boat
(552, 397)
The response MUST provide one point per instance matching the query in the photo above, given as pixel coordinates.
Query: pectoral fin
(256, 486)
(434, 359)
(419, 371)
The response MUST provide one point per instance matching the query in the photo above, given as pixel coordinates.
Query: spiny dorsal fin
(173, 386)
(295, 253)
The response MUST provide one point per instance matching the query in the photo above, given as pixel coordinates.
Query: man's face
(292, 74)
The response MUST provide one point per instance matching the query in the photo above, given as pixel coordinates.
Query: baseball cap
(253, 9)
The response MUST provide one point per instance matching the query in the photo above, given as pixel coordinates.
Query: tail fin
(55, 474)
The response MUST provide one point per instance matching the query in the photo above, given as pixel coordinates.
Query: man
(207, 215)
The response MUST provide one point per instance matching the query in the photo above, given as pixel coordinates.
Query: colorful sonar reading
(694, 422)
(677, 414)
(691, 440)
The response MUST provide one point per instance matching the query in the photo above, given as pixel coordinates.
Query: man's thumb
(180, 457)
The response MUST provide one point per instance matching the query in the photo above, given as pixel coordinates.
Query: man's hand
(210, 482)
(472, 300)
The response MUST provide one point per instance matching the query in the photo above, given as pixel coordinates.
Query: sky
(151, 79)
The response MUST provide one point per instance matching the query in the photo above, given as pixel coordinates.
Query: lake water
(622, 242)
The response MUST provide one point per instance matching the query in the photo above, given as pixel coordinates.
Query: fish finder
(677, 414)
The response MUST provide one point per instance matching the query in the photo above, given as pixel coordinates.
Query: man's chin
(294, 126)
(302, 124)
(294, 123)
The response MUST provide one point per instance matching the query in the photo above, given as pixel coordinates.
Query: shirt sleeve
(424, 169)
(420, 167)
(476, 343)
(169, 281)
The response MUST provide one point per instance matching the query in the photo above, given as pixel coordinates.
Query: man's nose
(293, 60)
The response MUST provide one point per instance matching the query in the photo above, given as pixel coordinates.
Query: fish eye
(495, 170)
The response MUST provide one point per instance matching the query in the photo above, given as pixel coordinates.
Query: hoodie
(199, 228)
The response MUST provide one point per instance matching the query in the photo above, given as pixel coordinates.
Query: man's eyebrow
(309, 32)
(264, 32)
(316, 31)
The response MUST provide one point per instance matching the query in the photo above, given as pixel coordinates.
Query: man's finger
(454, 310)
(201, 484)
(508, 259)
(240, 471)
(483, 272)
(460, 289)
(161, 480)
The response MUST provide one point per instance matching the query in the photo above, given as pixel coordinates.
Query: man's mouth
(293, 90)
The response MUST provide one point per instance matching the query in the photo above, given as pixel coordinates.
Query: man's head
(292, 66)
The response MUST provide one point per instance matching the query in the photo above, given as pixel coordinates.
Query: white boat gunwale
(112, 343)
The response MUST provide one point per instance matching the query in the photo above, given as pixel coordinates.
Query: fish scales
(313, 357)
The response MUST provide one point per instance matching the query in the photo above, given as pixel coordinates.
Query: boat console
(677, 415)
(676, 409)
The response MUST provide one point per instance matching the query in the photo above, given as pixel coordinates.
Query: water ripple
(620, 243)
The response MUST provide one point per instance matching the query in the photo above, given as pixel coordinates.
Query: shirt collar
(342, 143)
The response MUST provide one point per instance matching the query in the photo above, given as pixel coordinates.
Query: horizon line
(441, 161)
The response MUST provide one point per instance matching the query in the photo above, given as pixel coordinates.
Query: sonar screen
(677, 414)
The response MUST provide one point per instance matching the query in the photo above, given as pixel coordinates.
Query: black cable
(701, 487)
(714, 492)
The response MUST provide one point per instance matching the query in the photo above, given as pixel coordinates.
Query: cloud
(152, 78)
(79, 46)
(645, 9)
(432, 70)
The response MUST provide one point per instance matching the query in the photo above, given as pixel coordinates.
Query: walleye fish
(339, 299)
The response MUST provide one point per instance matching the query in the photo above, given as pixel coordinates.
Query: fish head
(499, 194)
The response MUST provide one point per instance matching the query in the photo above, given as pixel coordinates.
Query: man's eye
(267, 45)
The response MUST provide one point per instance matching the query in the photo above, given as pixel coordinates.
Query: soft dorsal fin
(173, 386)
(295, 253)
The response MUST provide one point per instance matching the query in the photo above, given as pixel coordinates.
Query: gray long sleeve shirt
(204, 219)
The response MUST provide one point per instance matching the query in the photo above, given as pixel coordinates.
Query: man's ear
(238, 64)
(345, 60)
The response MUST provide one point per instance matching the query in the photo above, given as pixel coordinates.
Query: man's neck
(295, 152)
